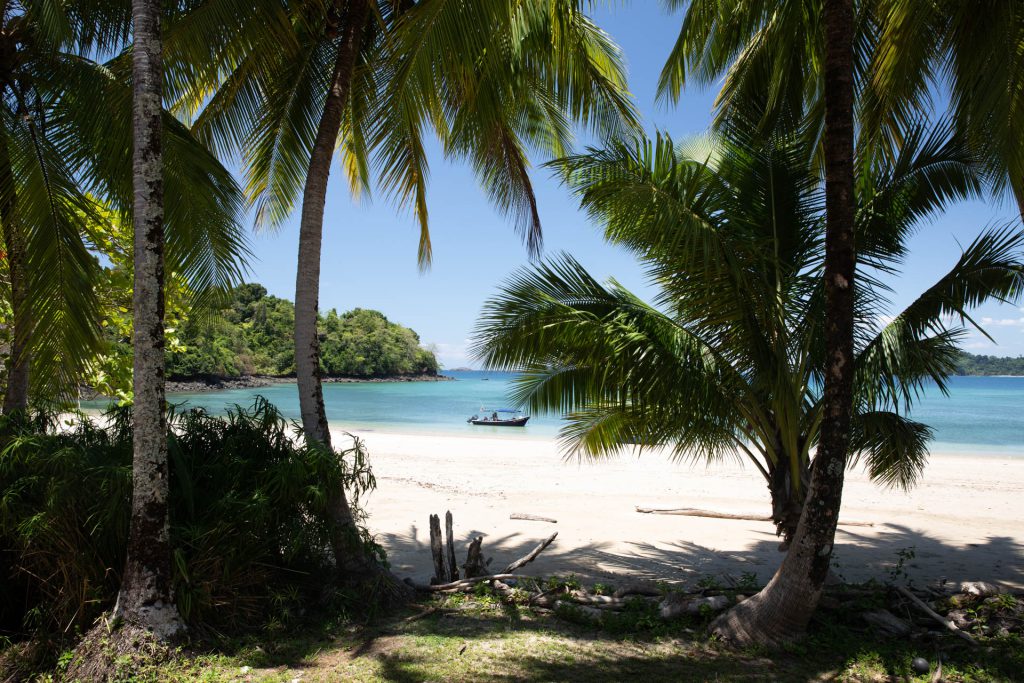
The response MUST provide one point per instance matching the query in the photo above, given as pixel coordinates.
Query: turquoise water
(981, 414)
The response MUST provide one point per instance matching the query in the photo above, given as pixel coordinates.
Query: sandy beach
(962, 522)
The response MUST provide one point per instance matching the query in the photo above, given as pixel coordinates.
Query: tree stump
(453, 568)
(437, 551)
(475, 565)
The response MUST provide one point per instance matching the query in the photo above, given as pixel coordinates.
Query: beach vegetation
(729, 358)
(466, 639)
(249, 532)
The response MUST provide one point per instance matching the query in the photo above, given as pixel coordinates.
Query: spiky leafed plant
(730, 356)
(65, 139)
(295, 82)
(973, 52)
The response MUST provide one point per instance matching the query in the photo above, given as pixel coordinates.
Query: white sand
(963, 521)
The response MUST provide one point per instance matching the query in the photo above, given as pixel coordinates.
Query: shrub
(249, 526)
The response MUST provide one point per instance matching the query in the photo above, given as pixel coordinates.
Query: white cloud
(1003, 322)
(452, 355)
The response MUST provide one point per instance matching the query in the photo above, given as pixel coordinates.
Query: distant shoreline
(204, 384)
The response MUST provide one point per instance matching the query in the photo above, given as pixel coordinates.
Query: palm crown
(729, 357)
(492, 79)
(65, 145)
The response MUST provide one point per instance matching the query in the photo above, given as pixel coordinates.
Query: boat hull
(516, 422)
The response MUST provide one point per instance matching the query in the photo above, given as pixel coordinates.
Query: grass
(476, 637)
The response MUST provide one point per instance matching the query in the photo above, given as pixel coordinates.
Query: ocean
(981, 414)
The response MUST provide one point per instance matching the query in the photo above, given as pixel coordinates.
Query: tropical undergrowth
(250, 529)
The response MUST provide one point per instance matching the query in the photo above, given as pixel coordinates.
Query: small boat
(503, 417)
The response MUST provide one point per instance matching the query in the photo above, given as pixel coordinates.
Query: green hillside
(253, 336)
(970, 364)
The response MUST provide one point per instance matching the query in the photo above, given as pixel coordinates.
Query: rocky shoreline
(203, 384)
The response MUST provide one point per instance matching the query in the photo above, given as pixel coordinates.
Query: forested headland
(252, 335)
(971, 364)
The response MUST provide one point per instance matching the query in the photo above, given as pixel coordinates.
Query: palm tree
(794, 58)
(63, 150)
(366, 77)
(730, 358)
(145, 597)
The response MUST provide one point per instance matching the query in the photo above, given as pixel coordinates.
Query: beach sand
(962, 522)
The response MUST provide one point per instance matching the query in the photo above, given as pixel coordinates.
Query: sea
(981, 415)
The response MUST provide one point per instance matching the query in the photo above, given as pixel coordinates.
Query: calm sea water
(982, 414)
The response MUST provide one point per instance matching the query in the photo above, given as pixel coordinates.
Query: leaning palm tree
(296, 83)
(729, 358)
(66, 146)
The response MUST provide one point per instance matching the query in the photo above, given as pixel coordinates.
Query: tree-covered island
(252, 336)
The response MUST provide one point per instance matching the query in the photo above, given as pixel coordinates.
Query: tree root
(116, 653)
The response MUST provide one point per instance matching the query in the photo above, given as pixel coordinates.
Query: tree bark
(352, 562)
(16, 394)
(146, 597)
(787, 502)
(780, 612)
(311, 228)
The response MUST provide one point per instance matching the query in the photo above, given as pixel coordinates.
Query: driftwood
(475, 565)
(463, 584)
(646, 588)
(921, 605)
(527, 559)
(887, 622)
(532, 518)
(453, 568)
(696, 512)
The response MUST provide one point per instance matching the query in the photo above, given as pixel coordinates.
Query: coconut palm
(145, 598)
(296, 82)
(66, 144)
(793, 58)
(730, 357)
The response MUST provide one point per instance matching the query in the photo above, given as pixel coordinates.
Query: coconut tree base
(771, 618)
(117, 652)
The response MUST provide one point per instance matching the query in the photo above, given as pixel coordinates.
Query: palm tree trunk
(351, 560)
(146, 597)
(780, 612)
(16, 395)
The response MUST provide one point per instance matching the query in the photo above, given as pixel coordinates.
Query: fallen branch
(696, 512)
(532, 518)
(425, 613)
(920, 604)
(531, 556)
(467, 583)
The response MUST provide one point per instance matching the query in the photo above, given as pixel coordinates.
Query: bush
(249, 526)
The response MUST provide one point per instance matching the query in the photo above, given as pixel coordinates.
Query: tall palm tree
(145, 597)
(296, 82)
(791, 58)
(65, 143)
(731, 357)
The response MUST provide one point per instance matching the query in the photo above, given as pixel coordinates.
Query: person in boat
(494, 417)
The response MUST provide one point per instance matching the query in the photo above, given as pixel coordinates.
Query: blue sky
(369, 254)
